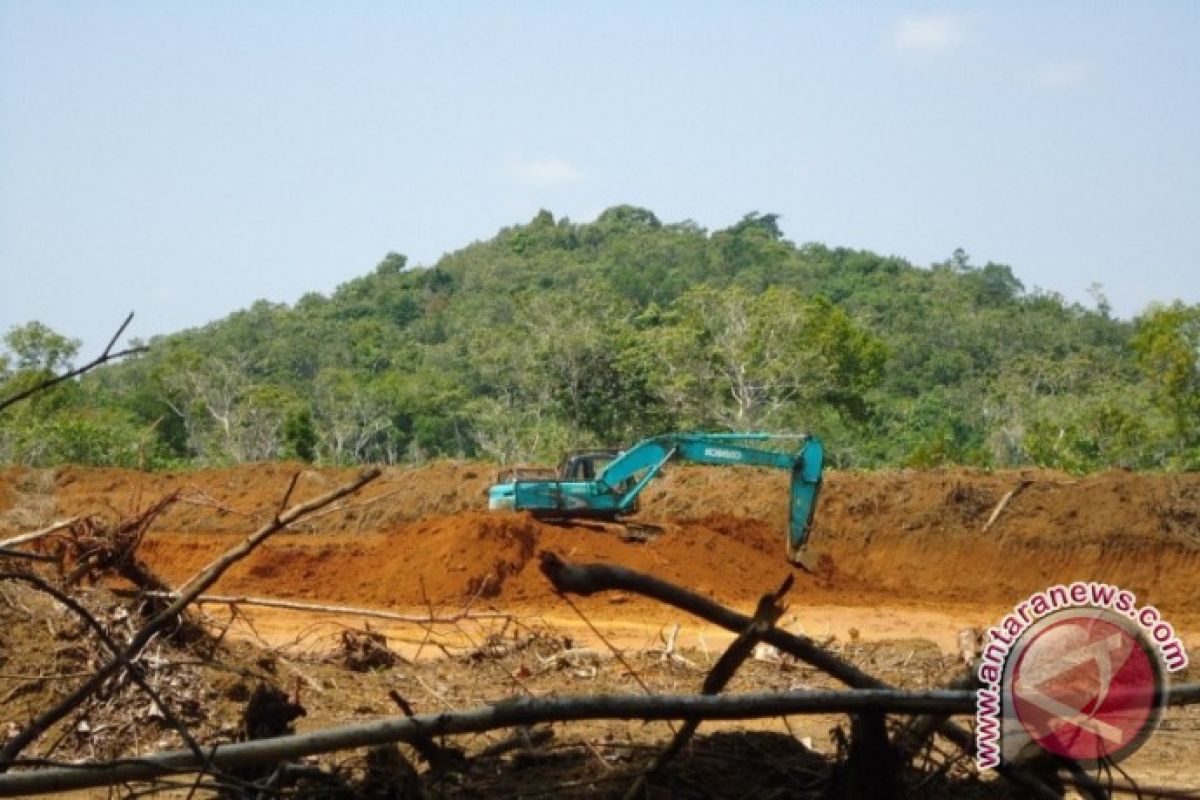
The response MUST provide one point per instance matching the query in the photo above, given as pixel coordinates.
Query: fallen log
(518, 711)
(321, 608)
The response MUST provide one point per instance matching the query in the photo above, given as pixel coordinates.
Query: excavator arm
(646, 459)
(615, 490)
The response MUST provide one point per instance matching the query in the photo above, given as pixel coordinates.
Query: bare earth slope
(897, 537)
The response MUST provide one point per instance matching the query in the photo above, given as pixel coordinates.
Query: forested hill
(554, 334)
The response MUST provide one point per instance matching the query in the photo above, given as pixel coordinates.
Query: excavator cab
(585, 465)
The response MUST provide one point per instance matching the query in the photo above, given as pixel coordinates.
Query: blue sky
(185, 159)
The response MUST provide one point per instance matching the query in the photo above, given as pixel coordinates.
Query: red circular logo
(1086, 685)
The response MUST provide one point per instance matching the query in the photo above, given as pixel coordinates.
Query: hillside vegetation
(554, 334)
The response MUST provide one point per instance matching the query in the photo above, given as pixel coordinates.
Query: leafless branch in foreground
(510, 713)
(206, 578)
(107, 355)
(911, 737)
(588, 579)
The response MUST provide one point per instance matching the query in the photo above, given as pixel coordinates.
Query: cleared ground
(905, 562)
(891, 538)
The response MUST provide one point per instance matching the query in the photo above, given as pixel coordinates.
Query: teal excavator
(605, 484)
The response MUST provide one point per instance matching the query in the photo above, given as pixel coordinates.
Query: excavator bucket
(806, 488)
(806, 560)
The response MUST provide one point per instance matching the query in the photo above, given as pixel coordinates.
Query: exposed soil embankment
(421, 535)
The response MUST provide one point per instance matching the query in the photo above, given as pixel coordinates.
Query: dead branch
(617, 654)
(510, 713)
(1185, 694)
(162, 619)
(669, 652)
(588, 579)
(319, 608)
(29, 537)
(107, 355)
(210, 574)
(767, 614)
(198, 498)
(6, 553)
(1004, 501)
(1138, 790)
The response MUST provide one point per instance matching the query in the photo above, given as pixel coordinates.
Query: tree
(354, 426)
(740, 358)
(625, 217)
(299, 435)
(392, 264)
(754, 245)
(37, 348)
(37, 353)
(554, 333)
(575, 344)
(228, 415)
(1167, 344)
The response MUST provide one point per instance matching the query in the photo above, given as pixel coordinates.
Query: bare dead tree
(107, 355)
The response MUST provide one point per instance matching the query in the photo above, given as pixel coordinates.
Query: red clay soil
(890, 537)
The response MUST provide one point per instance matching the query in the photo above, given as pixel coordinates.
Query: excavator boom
(615, 489)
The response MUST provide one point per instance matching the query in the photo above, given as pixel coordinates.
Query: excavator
(605, 484)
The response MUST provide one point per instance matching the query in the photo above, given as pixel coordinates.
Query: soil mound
(492, 557)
